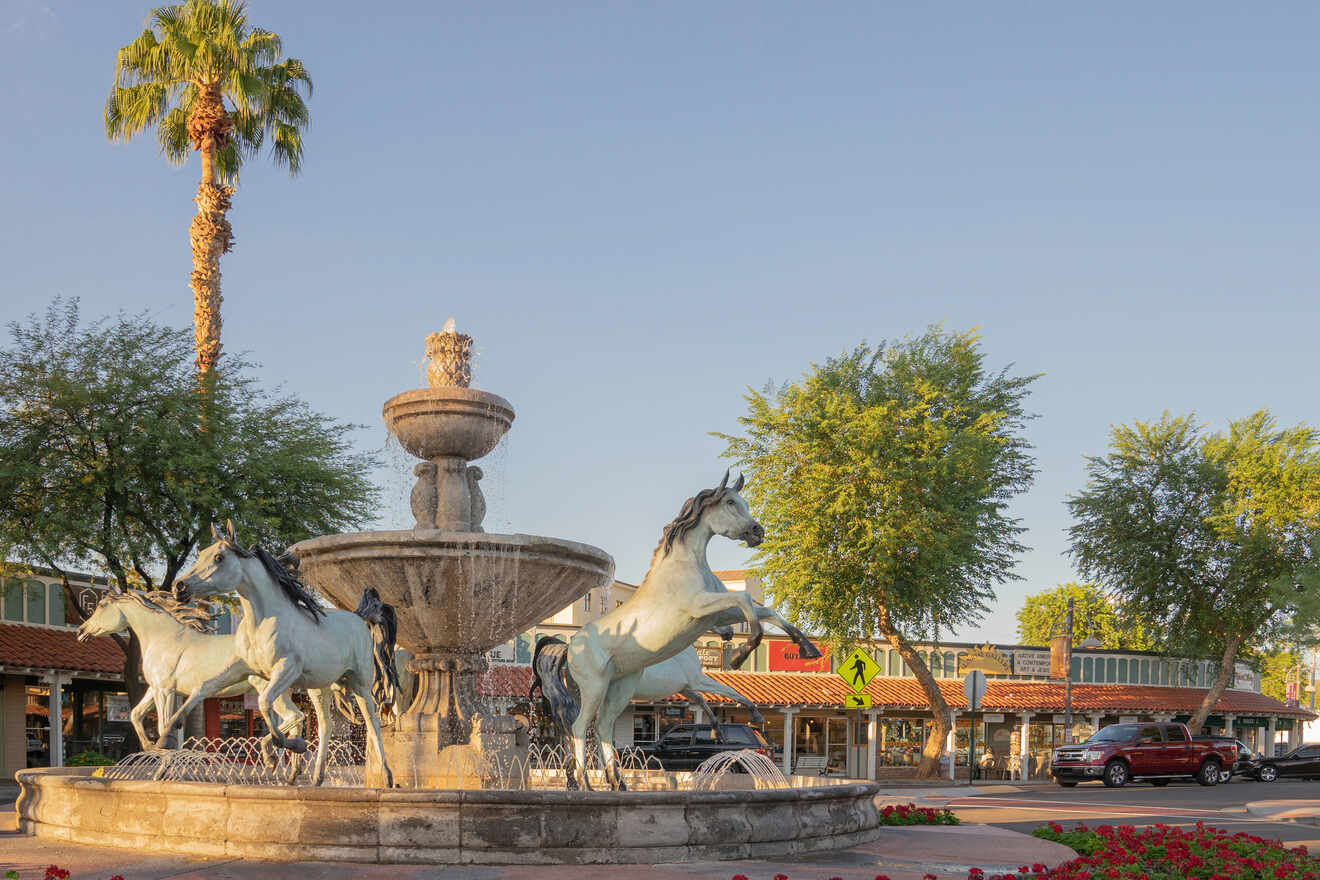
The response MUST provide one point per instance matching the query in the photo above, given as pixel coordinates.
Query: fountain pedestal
(441, 716)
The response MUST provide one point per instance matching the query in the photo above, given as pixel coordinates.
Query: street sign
(857, 701)
(857, 669)
(974, 688)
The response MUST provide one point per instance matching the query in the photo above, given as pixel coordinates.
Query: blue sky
(638, 212)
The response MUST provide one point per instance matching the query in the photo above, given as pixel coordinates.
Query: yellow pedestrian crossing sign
(857, 701)
(857, 669)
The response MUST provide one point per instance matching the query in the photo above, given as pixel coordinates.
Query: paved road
(1222, 806)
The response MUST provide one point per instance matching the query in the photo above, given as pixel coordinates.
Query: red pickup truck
(1156, 753)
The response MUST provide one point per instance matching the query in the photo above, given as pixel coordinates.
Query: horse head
(218, 569)
(106, 619)
(727, 514)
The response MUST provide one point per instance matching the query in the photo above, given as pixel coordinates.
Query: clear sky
(640, 210)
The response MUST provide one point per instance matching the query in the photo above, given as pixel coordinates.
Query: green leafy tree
(1094, 614)
(209, 81)
(1209, 539)
(102, 463)
(1275, 666)
(882, 479)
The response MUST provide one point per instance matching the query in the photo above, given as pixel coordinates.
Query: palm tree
(210, 82)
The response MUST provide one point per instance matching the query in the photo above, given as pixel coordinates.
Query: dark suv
(685, 746)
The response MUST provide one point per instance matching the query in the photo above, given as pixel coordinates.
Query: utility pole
(1067, 681)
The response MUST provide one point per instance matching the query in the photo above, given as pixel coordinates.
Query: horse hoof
(296, 744)
(808, 651)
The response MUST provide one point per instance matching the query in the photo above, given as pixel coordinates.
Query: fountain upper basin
(448, 422)
(456, 591)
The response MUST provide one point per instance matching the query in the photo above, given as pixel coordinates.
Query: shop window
(895, 664)
(1088, 669)
(1164, 672)
(586, 602)
(56, 617)
(900, 742)
(1145, 672)
(907, 670)
(950, 665)
(13, 600)
(1122, 670)
(936, 664)
(36, 602)
(1111, 670)
(1075, 668)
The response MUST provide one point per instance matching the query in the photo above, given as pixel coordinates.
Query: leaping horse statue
(679, 599)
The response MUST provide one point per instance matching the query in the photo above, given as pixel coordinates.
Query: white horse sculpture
(682, 674)
(678, 600)
(179, 656)
(287, 638)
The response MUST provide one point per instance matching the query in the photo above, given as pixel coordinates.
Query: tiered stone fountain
(458, 591)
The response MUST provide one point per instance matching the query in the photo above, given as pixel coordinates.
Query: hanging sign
(857, 670)
(1060, 656)
(857, 701)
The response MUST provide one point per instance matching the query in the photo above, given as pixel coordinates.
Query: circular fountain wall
(396, 826)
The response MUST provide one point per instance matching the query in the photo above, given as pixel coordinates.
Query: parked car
(685, 746)
(1303, 761)
(1247, 763)
(1155, 753)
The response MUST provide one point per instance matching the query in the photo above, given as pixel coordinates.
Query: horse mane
(294, 590)
(693, 510)
(196, 617)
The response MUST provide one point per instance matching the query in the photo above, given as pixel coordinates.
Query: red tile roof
(731, 574)
(828, 691)
(49, 648)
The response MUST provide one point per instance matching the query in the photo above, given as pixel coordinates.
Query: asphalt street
(1222, 806)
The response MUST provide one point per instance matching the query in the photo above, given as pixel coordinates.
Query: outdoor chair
(810, 765)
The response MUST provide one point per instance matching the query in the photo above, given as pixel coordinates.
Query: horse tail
(383, 626)
(549, 673)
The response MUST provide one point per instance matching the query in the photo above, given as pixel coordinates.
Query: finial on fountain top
(449, 352)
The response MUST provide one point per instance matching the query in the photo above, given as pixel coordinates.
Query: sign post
(974, 689)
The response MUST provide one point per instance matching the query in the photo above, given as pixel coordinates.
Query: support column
(1024, 746)
(872, 734)
(1295, 734)
(1229, 718)
(1095, 719)
(951, 745)
(56, 708)
(699, 717)
(1268, 749)
(788, 741)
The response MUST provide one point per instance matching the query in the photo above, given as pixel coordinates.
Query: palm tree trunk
(211, 235)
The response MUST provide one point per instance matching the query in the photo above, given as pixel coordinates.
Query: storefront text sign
(712, 656)
(1031, 663)
(116, 707)
(783, 657)
(993, 717)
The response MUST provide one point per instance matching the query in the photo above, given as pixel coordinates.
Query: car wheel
(1267, 774)
(1225, 776)
(1116, 774)
(1066, 784)
(1209, 773)
(1159, 783)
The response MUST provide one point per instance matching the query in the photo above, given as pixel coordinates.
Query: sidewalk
(903, 853)
(1306, 812)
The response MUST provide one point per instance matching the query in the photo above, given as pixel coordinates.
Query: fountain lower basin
(392, 826)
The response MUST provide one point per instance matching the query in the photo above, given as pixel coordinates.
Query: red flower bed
(911, 814)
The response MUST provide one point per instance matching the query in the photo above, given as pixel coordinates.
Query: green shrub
(89, 758)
